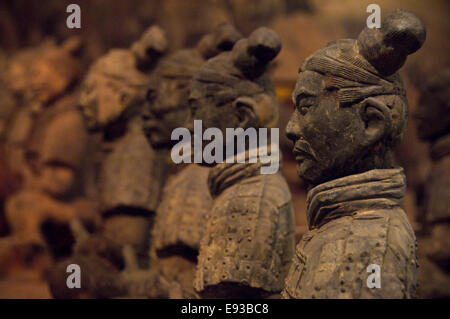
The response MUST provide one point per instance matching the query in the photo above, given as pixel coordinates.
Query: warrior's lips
(152, 126)
(301, 155)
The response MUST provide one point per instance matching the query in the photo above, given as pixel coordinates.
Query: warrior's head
(41, 75)
(233, 89)
(350, 105)
(116, 85)
(168, 96)
(432, 114)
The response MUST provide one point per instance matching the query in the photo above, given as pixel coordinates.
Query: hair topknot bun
(150, 47)
(252, 55)
(221, 39)
(401, 33)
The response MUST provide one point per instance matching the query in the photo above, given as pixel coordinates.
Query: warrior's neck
(374, 189)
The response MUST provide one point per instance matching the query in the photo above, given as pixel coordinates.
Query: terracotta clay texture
(350, 114)
(179, 223)
(179, 226)
(46, 142)
(129, 171)
(39, 84)
(433, 125)
(181, 215)
(126, 174)
(249, 236)
(52, 196)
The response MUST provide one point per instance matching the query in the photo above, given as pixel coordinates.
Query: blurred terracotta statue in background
(39, 79)
(350, 113)
(249, 236)
(433, 124)
(126, 173)
(46, 142)
(181, 215)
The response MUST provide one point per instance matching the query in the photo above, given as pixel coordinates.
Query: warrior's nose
(292, 130)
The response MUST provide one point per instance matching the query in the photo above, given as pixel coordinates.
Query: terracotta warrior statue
(350, 114)
(249, 236)
(129, 174)
(40, 214)
(39, 79)
(180, 217)
(47, 143)
(433, 125)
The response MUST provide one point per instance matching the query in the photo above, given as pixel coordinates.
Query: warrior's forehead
(308, 83)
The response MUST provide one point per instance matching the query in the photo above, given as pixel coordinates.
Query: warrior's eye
(193, 104)
(88, 88)
(124, 98)
(304, 103)
(303, 110)
(181, 86)
(151, 95)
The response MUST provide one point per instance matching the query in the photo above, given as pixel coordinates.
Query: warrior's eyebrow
(302, 93)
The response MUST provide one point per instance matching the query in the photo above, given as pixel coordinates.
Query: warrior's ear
(377, 119)
(246, 109)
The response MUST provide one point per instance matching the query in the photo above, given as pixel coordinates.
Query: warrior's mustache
(302, 147)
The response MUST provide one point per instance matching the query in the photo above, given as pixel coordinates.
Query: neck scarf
(374, 189)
